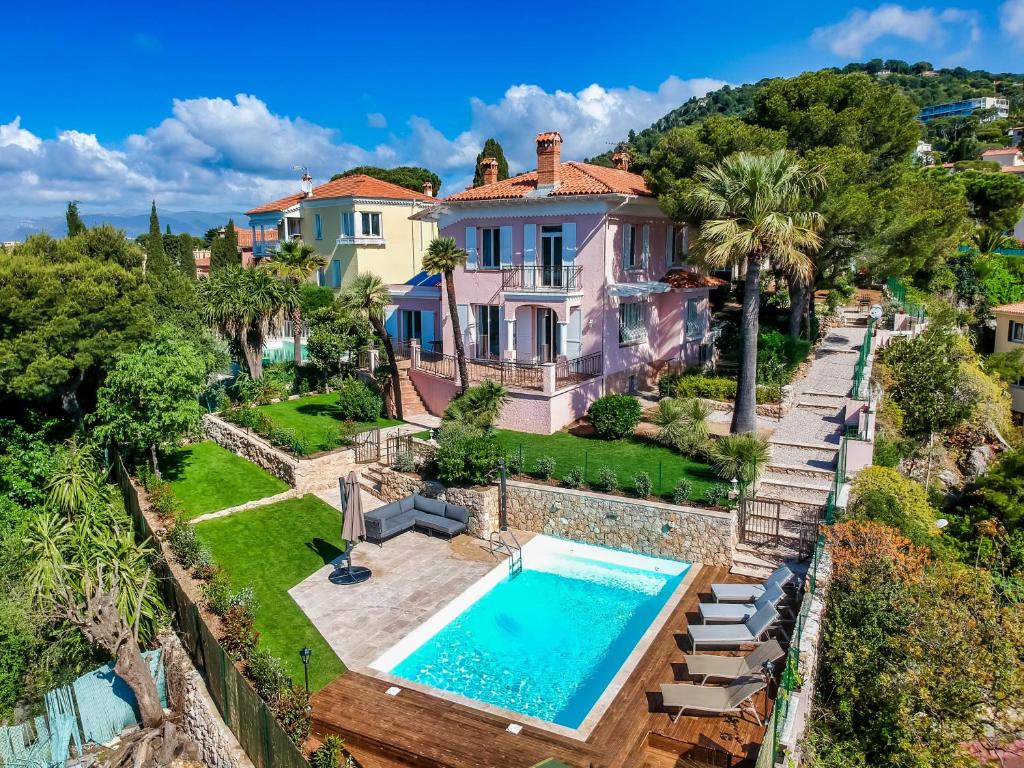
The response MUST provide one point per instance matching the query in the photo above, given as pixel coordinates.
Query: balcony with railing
(515, 374)
(565, 279)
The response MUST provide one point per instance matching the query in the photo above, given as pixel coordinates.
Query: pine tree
(75, 224)
(224, 249)
(167, 229)
(157, 262)
(491, 149)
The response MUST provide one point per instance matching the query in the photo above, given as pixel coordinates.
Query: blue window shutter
(506, 247)
(471, 248)
(335, 274)
(569, 243)
(391, 321)
(427, 325)
(318, 227)
(627, 239)
(645, 256)
(529, 245)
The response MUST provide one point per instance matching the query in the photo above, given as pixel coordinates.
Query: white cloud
(860, 29)
(220, 154)
(376, 120)
(1011, 20)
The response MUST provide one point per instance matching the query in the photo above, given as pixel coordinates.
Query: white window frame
(694, 323)
(490, 247)
(318, 227)
(680, 250)
(630, 257)
(373, 219)
(632, 323)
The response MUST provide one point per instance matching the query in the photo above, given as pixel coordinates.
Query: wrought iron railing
(542, 278)
(578, 369)
(510, 373)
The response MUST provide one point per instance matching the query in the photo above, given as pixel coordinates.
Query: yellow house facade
(1010, 338)
(357, 223)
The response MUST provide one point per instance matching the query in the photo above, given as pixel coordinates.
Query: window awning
(638, 289)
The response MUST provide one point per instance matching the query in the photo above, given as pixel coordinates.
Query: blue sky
(208, 106)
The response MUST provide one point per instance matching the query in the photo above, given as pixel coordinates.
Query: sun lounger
(736, 612)
(707, 665)
(727, 698)
(748, 593)
(750, 631)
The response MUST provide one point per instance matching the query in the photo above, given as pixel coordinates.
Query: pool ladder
(497, 543)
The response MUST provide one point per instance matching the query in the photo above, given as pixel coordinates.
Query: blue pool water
(549, 641)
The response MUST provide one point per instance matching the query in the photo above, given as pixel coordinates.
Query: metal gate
(367, 446)
(761, 523)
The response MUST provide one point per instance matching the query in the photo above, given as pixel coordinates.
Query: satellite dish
(876, 312)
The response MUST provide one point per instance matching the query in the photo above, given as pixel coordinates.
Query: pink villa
(576, 286)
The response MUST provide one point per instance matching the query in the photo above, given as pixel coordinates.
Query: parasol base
(353, 574)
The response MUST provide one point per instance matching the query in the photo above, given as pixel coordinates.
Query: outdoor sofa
(430, 515)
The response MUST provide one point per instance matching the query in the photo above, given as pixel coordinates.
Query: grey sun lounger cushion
(773, 595)
(749, 631)
(748, 593)
(707, 665)
(727, 698)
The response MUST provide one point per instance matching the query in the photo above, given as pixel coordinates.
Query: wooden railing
(543, 279)
(578, 369)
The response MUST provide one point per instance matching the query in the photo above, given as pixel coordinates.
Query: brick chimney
(621, 159)
(549, 158)
(428, 189)
(489, 170)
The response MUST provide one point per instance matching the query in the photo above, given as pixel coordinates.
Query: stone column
(414, 353)
(373, 355)
(510, 338)
(548, 374)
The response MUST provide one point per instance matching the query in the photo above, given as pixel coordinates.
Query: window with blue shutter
(335, 274)
(348, 224)
(318, 229)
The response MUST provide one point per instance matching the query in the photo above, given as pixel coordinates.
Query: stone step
(801, 470)
(816, 405)
(810, 482)
(798, 497)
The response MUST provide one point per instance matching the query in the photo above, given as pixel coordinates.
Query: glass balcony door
(551, 256)
(488, 339)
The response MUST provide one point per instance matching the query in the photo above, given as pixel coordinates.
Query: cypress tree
(224, 249)
(491, 149)
(157, 262)
(75, 224)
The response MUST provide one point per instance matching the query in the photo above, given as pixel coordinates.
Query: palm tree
(988, 240)
(242, 303)
(478, 406)
(753, 207)
(743, 457)
(368, 295)
(294, 262)
(683, 424)
(443, 256)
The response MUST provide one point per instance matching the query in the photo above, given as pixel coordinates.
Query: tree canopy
(491, 149)
(408, 176)
(224, 249)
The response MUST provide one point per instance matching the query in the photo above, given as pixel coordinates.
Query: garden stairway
(412, 403)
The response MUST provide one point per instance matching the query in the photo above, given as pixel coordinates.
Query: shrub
(162, 500)
(743, 457)
(204, 568)
(682, 492)
(642, 484)
(239, 636)
(614, 416)
(514, 463)
(328, 754)
(684, 424)
(465, 454)
(478, 406)
(245, 599)
(404, 462)
(720, 388)
(358, 402)
(668, 384)
(885, 496)
(890, 451)
(217, 593)
(292, 711)
(574, 478)
(267, 673)
(184, 543)
(607, 480)
(545, 467)
(717, 494)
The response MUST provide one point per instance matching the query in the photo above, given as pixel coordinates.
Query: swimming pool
(547, 642)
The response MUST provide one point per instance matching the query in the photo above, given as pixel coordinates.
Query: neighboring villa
(1011, 160)
(358, 223)
(1010, 337)
(576, 285)
(1000, 109)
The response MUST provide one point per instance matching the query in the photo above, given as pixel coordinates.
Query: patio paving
(414, 576)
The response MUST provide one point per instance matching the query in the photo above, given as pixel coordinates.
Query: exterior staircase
(412, 403)
(370, 478)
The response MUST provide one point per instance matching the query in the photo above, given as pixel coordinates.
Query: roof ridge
(391, 184)
(580, 166)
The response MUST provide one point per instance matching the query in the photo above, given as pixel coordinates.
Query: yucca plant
(743, 457)
(683, 424)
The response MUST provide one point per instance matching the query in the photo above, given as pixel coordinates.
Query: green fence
(898, 293)
(859, 391)
(244, 712)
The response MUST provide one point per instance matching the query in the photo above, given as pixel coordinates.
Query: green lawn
(206, 477)
(626, 457)
(273, 548)
(316, 421)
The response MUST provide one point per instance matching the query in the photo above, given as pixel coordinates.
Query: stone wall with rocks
(218, 747)
(303, 475)
(482, 502)
(643, 526)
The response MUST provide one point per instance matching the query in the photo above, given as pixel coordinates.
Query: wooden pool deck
(419, 729)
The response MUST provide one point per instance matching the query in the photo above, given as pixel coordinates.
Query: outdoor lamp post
(305, 653)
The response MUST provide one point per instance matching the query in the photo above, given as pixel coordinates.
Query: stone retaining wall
(647, 527)
(218, 747)
(482, 502)
(303, 475)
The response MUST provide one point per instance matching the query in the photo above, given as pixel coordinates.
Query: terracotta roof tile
(245, 236)
(358, 185)
(576, 179)
(682, 280)
(1011, 309)
(1000, 151)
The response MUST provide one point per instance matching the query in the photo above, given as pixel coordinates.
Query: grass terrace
(272, 549)
(316, 421)
(627, 457)
(206, 478)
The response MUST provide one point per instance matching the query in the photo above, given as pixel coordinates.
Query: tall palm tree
(368, 295)
(753, 207)
(443, 256)
(242, 303)
(294, 262)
